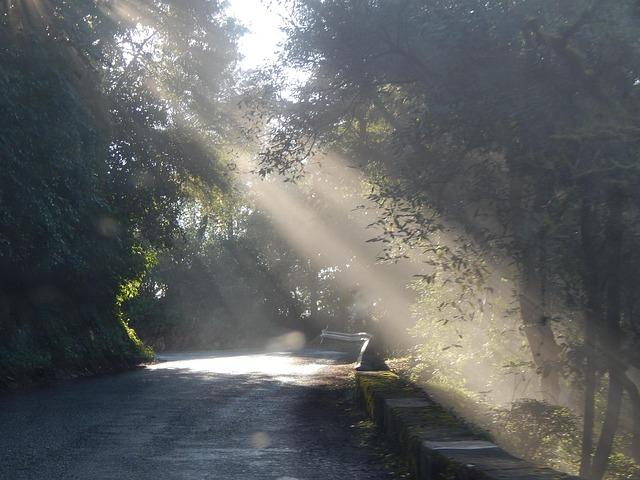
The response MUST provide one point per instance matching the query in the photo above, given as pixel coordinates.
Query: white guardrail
(345, 337)
(363, 337)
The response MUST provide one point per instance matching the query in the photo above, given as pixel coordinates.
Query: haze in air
(207, 188)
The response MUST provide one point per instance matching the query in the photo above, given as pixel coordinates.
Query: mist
(458, 179)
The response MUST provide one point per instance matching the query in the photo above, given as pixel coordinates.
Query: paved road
(234, 415)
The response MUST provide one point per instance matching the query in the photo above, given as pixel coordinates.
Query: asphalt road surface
(231, 415)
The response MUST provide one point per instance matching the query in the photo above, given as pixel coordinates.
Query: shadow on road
(223, 415)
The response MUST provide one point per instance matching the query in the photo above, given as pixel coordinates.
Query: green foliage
(501, 138)
(623, 468)
(95, 160)
(215, 287)
(542, 432)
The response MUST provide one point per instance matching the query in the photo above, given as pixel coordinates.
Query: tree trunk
(631, 388)
(592, 315)
(314, 294)
(611, 336)
(609, 426)
(589, 416)
(529, 250)
(542, 342)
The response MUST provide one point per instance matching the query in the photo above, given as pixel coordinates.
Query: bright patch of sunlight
(279, 365)
(263, 41)
(261, 44)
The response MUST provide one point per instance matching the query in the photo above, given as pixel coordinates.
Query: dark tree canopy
(99, 137)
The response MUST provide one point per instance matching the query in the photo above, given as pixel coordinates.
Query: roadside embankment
(31, 357)
(434, 442)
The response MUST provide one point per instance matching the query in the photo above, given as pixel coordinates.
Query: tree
(96, 161)
(514, 122)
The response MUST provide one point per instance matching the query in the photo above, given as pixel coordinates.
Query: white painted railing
(363, 337)
(345, 337)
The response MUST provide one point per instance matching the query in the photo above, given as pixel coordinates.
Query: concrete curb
(435, 444)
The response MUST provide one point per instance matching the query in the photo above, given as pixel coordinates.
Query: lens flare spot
(260, 440)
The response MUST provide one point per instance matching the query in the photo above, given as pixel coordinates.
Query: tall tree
(509, 108)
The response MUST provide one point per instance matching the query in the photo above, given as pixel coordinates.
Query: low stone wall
(436, 444)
